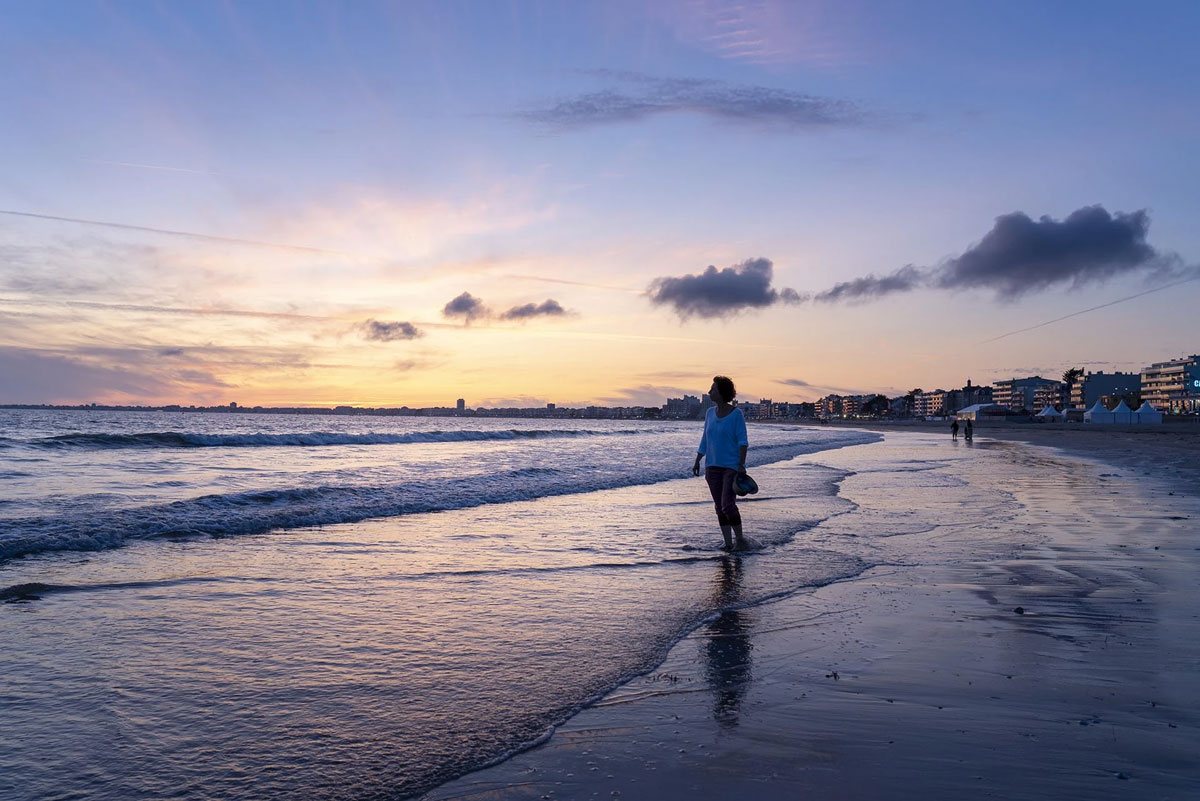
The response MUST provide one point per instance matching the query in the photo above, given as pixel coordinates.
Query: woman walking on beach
(723, 448)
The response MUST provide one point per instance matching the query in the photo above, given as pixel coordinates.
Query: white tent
(1123, 414)
(1098, 414)
(1147, 414)
(979, 411)
(1049, 413)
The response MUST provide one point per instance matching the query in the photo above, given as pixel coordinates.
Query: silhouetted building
(841, 405)
(829, 406)
(1173, 386)
(460, 405)
(970, 395)
(803, 409)
(1024, 394)
(685, 408)
(1091, 387)
(1051, 394)
(929, 404)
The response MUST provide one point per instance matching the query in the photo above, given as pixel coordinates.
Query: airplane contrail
(191, 234)
(574, 283)
(152, 167)
(1091, 309)
(218, 312)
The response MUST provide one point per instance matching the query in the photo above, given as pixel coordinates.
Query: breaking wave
(260, 511)
(180, 439)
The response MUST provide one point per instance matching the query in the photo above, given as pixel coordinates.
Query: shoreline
(1056, 659)
(1167, 452)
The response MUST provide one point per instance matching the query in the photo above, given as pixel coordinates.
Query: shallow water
(920, 678)
(387, 650)
(84, 480)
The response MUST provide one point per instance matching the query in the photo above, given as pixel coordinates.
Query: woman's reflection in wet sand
(727, 647)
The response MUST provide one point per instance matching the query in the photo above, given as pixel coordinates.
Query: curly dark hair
(725, 387)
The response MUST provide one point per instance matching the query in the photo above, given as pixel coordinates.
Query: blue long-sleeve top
(722, 438)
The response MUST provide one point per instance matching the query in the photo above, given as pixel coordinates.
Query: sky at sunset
(519, 203)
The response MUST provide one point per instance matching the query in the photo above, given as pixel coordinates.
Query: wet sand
(1168, 451)
(1050, 652)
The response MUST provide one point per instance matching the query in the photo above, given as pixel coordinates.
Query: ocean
(235, 606)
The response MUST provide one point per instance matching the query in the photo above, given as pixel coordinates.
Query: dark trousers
(720, 484)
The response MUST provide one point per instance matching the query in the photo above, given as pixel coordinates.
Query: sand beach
(1048, 649)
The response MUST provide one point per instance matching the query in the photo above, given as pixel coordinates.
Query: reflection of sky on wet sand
(919, 679)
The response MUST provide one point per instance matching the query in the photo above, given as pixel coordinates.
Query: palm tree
(910, 400)
(1070, 378)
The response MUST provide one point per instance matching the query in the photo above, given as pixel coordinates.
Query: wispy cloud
(647, 395)
(516, 402)
(765, 32)
(50, 377)
(819, 389)
(587, 284)
(638, 97)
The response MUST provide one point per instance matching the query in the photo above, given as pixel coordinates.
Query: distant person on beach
(723, 448)
(970, 432)
(954, 429)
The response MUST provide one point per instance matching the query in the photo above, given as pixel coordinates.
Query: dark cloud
(642, 96)
(793, 382)
(1020, 255)
(870, 287)
(718, 293)
(389, 331)
(466, 306)
(547, 308)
